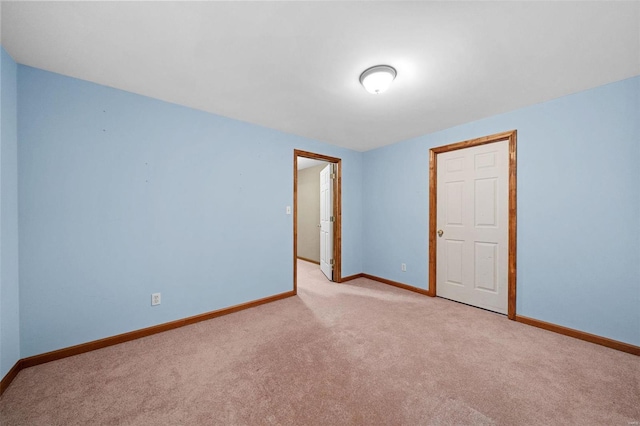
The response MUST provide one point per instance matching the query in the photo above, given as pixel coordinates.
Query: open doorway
(317, 224)
(310, 195)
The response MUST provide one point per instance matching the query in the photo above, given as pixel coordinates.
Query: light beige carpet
(355, 353)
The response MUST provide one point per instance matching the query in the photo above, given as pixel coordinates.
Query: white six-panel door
(472, 222)
(326, 225)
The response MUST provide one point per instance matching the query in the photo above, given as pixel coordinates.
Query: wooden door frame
(337, 213)
(510, 136)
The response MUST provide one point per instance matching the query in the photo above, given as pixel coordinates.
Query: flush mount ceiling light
(377, 79)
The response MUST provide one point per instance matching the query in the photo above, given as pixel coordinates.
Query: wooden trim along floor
(598, 340)
(397, 284)
(386, 281)
(351, 277)
(8, 378)
(132, 335)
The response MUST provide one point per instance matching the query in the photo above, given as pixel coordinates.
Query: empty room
(319, 213)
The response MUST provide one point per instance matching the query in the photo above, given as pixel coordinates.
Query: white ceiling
(294, 66)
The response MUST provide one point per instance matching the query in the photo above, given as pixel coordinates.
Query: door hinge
(331, 262)
(332, 219)
(333, 175)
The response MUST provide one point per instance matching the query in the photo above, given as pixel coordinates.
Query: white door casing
(326, 223)
(472, 213)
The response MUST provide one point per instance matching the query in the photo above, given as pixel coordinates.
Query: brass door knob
(440, 232)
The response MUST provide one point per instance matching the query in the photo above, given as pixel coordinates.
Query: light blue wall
(9, 286)
(578, 208)
(122, 196)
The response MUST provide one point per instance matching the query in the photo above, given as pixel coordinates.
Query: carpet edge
(577, 334)
(132, 335)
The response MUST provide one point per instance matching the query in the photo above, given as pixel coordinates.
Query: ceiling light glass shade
(377, 79)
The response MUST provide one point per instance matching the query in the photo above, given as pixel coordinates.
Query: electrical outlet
(403, 267)
(155, 299)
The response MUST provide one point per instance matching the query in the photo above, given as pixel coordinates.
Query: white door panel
(326, 224)
(472, 212)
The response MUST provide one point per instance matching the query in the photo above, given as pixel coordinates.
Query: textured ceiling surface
(294, 66)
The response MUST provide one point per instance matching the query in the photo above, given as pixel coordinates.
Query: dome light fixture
(377, 79)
